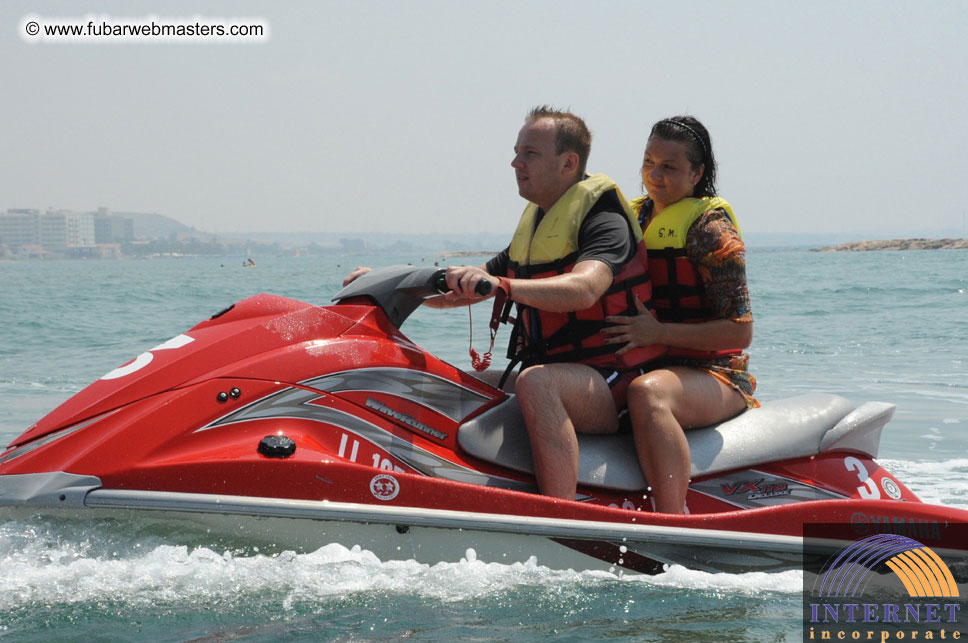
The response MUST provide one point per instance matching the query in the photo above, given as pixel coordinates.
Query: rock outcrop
(897, 244)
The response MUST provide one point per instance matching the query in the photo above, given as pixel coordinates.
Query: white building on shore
(20, 228)
(27, 231)
(63, 229)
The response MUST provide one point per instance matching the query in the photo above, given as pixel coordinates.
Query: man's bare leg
(556, 401)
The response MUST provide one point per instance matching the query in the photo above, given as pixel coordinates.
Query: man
(575, 258)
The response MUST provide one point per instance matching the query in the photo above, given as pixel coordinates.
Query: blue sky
(827, 117)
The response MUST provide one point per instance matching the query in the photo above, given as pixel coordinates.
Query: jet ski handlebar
(399, 290)
(483, 288)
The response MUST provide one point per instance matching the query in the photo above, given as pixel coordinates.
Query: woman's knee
(649, 392)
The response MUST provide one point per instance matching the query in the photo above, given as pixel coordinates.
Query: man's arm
(575, 290)
(604, 246)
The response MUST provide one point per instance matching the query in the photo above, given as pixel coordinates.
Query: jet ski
(301, 425)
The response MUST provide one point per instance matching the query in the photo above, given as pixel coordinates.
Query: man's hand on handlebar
(467, 282)
(360, 271)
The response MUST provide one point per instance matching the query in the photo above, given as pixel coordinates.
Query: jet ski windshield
(398, 290)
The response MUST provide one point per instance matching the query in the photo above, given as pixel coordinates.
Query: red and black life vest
(549, 247)
(678, 293)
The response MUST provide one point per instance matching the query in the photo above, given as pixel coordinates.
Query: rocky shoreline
(897, 244)
(469, 253)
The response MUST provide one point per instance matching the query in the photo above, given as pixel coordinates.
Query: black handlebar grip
(483, 288)
(440, 283)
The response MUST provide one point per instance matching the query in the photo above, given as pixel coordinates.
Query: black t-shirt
(604, 235)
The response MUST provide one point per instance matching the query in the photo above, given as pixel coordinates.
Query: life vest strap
(627, 285)
(665, 253)
(570, 334)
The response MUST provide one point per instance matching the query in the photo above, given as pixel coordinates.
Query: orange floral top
(716, 249)
(718, 252)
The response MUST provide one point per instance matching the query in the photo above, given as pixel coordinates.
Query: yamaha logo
(384, 487)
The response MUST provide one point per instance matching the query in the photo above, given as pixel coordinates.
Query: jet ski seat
(795, 427)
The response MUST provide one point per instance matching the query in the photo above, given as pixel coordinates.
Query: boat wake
(50, 562)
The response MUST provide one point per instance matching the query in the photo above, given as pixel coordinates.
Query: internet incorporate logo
(921, 571)
(858, 593)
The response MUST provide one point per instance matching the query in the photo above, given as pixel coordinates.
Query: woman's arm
(644, 329)
(717, 251)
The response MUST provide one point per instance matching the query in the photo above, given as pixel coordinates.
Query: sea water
(887, 326)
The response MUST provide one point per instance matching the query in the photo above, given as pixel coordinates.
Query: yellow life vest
(549, 247)
(668, 228)
(556, 236)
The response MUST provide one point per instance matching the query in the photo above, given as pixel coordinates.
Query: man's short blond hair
(571, 133)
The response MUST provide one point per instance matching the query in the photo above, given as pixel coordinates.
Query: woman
(698, 271)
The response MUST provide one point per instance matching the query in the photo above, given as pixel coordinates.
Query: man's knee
(531, 376)
(533, 382)
(536, 394)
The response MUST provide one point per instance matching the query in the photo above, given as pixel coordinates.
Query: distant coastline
(469, 253)
(897, 244)
(30, 234)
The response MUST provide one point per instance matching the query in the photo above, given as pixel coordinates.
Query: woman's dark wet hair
(699, 148)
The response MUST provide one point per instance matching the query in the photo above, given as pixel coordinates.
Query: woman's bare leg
(662, 405)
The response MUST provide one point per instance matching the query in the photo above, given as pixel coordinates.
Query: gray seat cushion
(793, 427)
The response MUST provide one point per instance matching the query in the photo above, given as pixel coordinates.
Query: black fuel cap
(277, 446)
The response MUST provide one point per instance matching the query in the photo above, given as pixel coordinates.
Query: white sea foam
(748, 584)
(942, 482)
(41, 571)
